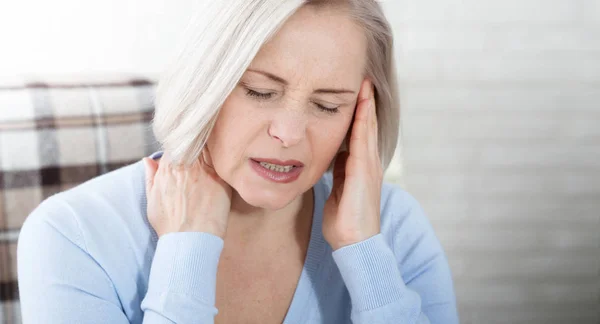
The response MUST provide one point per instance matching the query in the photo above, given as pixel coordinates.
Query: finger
(359, 146)
(339, 172)
(163, 165)
(363, 94)
(166, 175)
(373, 126)
(171, 168)
(150, 167)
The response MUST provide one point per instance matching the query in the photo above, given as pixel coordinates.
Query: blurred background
(500, 138)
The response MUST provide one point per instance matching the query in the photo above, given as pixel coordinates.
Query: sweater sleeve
(384, 290)
(183, 278)
(60, 282)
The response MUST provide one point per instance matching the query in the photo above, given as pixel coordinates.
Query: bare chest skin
(257, 288)
(258, 272)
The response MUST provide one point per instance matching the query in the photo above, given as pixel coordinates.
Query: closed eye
(268, 95)
(261, 95)
(328, 110)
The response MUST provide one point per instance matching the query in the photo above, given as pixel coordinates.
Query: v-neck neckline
(317, 248)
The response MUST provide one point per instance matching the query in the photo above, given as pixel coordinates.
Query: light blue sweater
(89, 255)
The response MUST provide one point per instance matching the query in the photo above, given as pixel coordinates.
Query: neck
(296, 217)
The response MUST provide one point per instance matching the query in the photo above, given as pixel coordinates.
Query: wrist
(350, 240)
(197, 228)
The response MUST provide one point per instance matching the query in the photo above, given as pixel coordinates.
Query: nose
(289, 127)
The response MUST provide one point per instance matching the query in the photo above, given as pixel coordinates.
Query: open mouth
(277, 168)
(276, 173)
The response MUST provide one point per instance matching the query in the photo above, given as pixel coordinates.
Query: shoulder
(418, 251)
(404, 224)
(84, 245)
(410, 234)
(399, 210)
(97, 214)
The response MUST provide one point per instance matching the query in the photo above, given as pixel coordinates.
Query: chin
(266, 199)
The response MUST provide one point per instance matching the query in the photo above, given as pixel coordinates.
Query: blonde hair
(221, 42)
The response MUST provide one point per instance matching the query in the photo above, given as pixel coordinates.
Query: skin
(221, 193)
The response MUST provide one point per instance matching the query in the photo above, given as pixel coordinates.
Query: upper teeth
(276, 167)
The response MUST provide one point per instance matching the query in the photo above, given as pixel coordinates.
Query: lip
(274, 176)
(295, 163)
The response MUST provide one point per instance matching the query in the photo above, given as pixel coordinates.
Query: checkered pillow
(54, 137)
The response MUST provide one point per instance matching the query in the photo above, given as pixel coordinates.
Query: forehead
(315, 44)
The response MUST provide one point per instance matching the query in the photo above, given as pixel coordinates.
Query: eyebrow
(285, 83)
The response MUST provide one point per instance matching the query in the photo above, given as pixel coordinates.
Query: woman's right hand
(186, 199)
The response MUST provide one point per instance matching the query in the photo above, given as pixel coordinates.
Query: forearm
(376, 287)
(182, 282)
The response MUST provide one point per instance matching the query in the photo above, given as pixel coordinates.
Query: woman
(233, 222)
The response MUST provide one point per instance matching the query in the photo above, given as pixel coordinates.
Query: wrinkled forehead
(315, 46)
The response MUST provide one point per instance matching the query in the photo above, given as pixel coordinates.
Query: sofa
(55, 135)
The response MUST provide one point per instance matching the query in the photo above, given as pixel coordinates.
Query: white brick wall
(592, 11)
(489, 11)
(501, 145)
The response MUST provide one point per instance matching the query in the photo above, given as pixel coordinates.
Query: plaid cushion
(54, 137)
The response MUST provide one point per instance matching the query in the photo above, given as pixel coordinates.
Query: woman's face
(295, 102)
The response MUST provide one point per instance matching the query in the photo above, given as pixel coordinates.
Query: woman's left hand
(351, 213)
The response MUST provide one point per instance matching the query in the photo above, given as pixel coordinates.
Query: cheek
(231, 117)
(229, 147)
(328, 139)
(221, 142)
